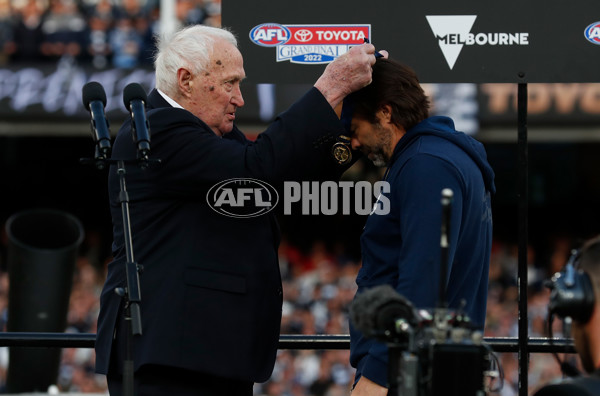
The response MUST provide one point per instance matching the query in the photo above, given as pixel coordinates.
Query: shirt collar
(174, 104)
(168, 99)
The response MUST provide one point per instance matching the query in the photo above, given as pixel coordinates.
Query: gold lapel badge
(341, 150)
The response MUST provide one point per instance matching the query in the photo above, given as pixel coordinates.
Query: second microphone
(134, 99)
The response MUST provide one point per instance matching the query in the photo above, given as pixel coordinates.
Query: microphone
(375, 311)
(447, 195)
(94, 100)
(134, 99)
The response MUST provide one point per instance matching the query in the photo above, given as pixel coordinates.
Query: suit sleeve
(296, 145)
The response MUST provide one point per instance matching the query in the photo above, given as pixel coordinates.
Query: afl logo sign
(592, 33)
(309, 44)
(242, 198)
(270, 34)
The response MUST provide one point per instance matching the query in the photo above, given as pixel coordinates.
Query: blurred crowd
(318, 289)
(105, 33)
(318, 281)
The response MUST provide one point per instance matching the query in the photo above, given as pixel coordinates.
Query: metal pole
(286, 341)
(168, 20)
(523, 237)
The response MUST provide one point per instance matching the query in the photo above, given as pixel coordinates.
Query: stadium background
(44, 131)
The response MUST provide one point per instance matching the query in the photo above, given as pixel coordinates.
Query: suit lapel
(155, 100)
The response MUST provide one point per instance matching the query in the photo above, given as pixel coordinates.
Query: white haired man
(211, 289)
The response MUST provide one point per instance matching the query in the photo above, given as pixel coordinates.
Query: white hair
(191, 48)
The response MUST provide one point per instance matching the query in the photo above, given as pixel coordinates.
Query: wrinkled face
(373, 140)
(215, 94)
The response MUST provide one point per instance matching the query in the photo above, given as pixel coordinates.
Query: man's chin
(377, 160)
(225, 129)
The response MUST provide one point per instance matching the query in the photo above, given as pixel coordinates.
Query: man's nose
(237, 98)
(354, 143)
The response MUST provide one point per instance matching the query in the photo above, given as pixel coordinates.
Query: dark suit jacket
(211, 289)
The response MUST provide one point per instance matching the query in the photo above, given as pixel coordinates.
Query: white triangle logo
(443, 25)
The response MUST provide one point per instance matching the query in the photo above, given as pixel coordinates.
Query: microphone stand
(394, 369)
(440, 317)
(131, 294)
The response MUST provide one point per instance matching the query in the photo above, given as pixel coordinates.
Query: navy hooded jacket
(402, 248)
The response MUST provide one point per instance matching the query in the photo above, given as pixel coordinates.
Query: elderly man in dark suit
(211, 289)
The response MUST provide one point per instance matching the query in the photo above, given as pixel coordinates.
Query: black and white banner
(463, 41)
(30, 93)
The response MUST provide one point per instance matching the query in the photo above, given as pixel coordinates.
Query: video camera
(431, 352)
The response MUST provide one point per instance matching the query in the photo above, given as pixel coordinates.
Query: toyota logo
(303, 35)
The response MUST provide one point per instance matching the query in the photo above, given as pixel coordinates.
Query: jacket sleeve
(419, 195)
(417, 191)
(295, 146)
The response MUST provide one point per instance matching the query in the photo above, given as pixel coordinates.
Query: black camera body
(443, 358)
(431, 352)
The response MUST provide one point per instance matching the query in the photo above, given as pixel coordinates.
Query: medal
(341, 150)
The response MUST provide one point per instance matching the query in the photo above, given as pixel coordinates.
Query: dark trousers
(158, 380)
(155, 380)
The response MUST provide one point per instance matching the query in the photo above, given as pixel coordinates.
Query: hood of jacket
(443, 127)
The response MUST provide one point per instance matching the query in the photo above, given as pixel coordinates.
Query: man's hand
(366, 387)
(348, 73)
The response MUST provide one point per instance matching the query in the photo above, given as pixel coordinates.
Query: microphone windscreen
(376, 309)
(399, 308)
(92, 91)
(133, 91)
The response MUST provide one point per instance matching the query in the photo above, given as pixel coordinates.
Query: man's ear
(594, 321)
(184, 81)
(384, 114)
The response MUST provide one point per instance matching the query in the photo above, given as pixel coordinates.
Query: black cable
(565, 367)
